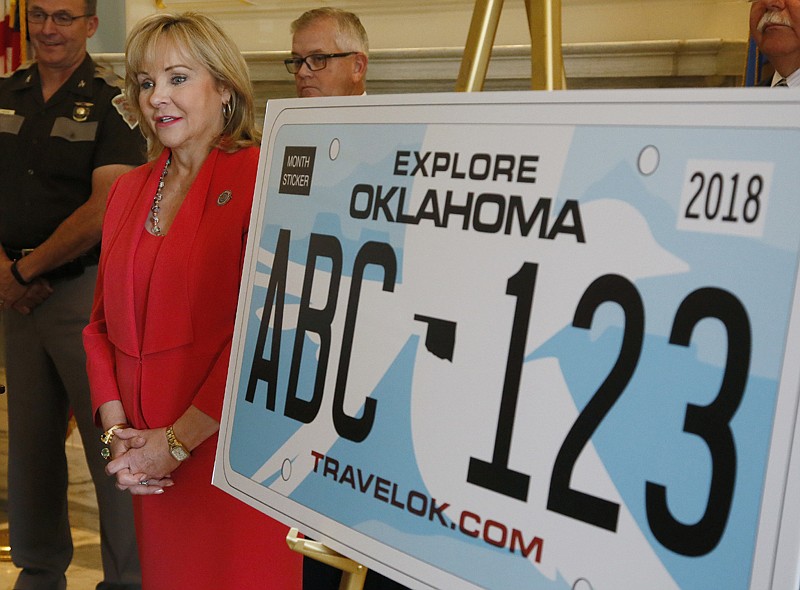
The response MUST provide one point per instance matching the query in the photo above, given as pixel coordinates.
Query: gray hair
(350, 33)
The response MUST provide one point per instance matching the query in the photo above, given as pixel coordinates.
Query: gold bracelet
(108, 435)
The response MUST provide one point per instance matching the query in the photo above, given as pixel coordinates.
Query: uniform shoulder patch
(109, 76)
(120, 102)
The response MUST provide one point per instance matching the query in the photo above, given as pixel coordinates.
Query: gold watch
(176, 447)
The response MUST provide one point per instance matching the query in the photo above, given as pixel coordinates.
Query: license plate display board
(526, 340)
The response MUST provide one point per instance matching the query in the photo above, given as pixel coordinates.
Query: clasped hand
(141, 462)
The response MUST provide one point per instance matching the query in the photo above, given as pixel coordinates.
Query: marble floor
(85, 571)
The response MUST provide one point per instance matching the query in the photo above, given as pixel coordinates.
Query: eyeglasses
(315, 62)
(61, 18)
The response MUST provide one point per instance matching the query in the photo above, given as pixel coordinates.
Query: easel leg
(353, 580)
(544, 23)
(547, 62)
(478, 49)
(353, 574)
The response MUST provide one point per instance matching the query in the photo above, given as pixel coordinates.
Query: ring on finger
(144, 482)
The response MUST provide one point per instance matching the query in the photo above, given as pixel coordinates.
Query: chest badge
(224, 198)
(81, 110)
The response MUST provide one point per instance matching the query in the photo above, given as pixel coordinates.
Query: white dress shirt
(793, 80)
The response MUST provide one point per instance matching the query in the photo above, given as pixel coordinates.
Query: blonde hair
(350, 34)
(204, 40)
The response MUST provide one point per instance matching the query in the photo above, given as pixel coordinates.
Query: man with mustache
(775, 27)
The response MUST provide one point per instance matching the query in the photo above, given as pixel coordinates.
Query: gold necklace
(157, 199)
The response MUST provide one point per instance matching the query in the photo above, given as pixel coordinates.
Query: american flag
(13, 43)
(757, 68)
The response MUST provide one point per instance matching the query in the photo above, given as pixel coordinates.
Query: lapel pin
(224, 198)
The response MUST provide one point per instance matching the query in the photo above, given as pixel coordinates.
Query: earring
(227, 111)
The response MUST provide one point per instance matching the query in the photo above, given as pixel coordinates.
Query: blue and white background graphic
(404, 487)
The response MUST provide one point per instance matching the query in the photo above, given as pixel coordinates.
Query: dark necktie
(782, 82)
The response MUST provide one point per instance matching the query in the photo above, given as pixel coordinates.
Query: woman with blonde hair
(159, 339)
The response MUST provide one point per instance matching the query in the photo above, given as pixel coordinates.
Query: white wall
(110, 36)
(263, 25)
(650, 20)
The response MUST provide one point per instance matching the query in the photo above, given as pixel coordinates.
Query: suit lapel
(119, 267)
(169, 309)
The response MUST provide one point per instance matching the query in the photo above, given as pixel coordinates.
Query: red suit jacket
(183, 360)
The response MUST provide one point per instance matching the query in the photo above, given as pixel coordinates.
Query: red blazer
(183, 358)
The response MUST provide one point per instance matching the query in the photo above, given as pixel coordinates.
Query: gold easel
(353, 574)
(5, 544)
(544, 24)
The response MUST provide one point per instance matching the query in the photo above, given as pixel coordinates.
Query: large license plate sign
(524, 340)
